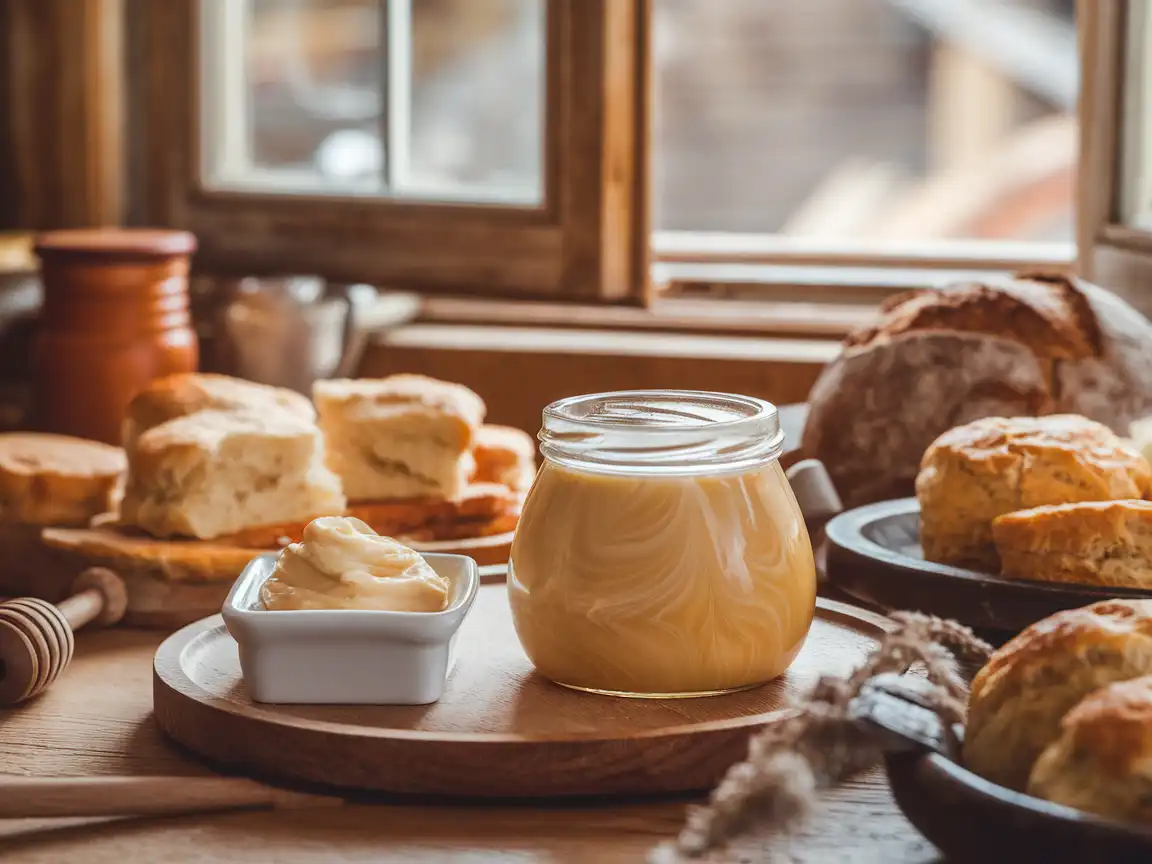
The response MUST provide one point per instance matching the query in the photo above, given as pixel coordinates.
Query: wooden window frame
(589, 244)
(588, 241)
(61, 113)
(1111, 253)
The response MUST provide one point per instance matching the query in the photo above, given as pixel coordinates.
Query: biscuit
(406, 436)
(1102, 761)
(1021, 695)
(1091, 543)
(984, 469)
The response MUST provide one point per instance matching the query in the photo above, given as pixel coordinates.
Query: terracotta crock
(115, 317)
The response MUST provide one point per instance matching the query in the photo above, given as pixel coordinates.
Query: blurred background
(892, 120)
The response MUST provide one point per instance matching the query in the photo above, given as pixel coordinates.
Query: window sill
(690, 315)
(520, 369)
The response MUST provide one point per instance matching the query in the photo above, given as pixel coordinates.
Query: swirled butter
(650, 585)
(343, 564)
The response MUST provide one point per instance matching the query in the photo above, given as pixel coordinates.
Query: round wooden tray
(500, 730)
(874, 556)
(493, 549)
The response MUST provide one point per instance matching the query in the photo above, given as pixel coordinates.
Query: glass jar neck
(661, 432)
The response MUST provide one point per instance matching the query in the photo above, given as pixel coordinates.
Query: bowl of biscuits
(1054, 760)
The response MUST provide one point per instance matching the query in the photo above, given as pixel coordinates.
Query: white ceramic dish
(347, 656)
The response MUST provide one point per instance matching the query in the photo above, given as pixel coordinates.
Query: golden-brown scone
(405, 436)
(180, 395)
(984, 469)
(1021, 695)
(1091, 543)
(1102, 761)
(56, 479)
(505, 455)
(219, 472)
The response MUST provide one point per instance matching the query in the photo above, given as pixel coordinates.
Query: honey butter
(661, 551)
(342, 563)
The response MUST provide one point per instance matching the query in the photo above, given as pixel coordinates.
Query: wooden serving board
(874, 556)
(171, 583)
(499, 731)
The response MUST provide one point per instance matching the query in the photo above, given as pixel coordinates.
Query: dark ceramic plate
(971, 819)
(874, 555)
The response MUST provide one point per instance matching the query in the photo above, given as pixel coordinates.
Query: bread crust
(180, 395)
(363, 394)
(1037, 344)
(876, 409)
(974, 473)
(1043, 315)
(56, 479)
(1090, 543)
(1102, 761)
(1021, 695)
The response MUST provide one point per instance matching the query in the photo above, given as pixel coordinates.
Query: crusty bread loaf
(505, 455)
(56, 479)
(976, 472)
(1102, 761)
(180, 395)
(1021, 695)
(938, 358)
(406, 436)
(1094, 543)
(218, 472)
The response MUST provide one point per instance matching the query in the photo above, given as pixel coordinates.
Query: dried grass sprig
(821, 745)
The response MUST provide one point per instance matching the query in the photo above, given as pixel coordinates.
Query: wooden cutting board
(499, 731)
(170, 583)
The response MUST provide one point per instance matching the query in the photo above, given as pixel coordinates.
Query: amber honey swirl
(661, 585)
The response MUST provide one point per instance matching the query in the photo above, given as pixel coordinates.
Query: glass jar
(661, 552)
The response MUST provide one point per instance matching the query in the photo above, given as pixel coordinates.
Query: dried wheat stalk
(820, 746)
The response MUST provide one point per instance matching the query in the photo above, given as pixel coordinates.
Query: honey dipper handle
(98, 596)
(48, 797)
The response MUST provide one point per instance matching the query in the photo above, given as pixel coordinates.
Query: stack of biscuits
(1056, 498)
(216, 458)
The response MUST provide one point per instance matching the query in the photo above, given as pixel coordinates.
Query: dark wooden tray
(971, 819)
(874, 556)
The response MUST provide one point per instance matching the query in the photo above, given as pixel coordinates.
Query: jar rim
(662, 431)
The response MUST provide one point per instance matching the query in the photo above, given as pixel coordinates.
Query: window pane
(867, 120)
(1136, 166)
(421, 99)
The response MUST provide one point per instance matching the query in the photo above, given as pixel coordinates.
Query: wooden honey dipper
(36, 637)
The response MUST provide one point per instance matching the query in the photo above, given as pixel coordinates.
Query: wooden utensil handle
(81, 608)
(99, 596)
(40, 797)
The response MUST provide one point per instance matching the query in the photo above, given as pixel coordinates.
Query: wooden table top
(97, 721)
